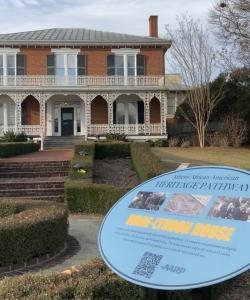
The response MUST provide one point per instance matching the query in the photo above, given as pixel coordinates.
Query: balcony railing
(82, 81)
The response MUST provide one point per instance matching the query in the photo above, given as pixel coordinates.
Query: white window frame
(125, 53)
(8, 51)
(65, 52)
(175, 96)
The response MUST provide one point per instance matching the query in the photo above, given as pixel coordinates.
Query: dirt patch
(117, 172)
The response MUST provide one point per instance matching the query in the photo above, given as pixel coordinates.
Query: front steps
(34, 180)
(67, 142)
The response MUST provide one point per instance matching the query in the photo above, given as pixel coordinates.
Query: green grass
(235, 157)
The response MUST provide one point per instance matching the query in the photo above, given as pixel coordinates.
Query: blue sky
(129, 16)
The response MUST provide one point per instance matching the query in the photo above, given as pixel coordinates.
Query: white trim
(66, 51)
(9, 50)
(125, 51)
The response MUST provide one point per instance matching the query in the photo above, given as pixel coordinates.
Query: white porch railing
(31, 130)
(83, 81)
(128, 129)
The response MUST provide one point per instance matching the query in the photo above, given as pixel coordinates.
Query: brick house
(79, 82)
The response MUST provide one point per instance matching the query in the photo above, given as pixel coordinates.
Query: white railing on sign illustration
(128, 129)
(83, 81)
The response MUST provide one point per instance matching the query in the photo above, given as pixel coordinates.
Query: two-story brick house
(79, 82)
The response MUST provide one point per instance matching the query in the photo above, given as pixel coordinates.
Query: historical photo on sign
(188, 204)
(235, 208)
(148, 200)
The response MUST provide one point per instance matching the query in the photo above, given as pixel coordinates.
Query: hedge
(146, 164)
(112, 150)
(12, 149)
(92, 281)
(91, 198)
(38, 228)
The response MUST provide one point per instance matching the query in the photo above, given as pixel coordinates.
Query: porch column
(5, 117)
(163, 112)
(147, 115)
(111, 98)
(18, 115)
(88, 113)
(49, 118)
(42, 117)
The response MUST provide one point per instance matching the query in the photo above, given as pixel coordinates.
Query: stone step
(56, 198)
(33, 174)
(8, 164)
(32, 192)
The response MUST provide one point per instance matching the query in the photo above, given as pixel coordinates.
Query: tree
(194, 58)
(231, 20)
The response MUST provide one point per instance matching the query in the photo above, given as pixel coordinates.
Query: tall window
(171, 107)
(126, 112)
(66, 65)
(1, 114)
(7, 64)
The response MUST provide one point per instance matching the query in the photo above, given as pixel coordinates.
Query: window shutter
(111, 65)
(114, 112)
(21, 64)
(51, 64)
(81, 65)
(141, 65)
(140, 105)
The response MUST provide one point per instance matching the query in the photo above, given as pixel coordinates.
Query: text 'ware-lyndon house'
(79, 82)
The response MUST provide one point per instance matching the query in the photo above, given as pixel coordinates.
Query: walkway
(83, 230)
(46, 155)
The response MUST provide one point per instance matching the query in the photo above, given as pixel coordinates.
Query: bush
(218, 139)
(146, 164)
(39, 228)
(185, 144)
(8, 210)
(173, 142)
(115, 137)
(112, 150)
(92, 281)
(11, 136)
(12, 149)
(91, 198)
(158, 143)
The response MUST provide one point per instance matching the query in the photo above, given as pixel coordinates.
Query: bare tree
(194, 58)
(231, 20)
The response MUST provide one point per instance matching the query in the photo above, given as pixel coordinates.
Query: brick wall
(99, 111)
(96, 61)
(30, 111)
(155, 111)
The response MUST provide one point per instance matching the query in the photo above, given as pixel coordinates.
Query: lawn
(235, 157)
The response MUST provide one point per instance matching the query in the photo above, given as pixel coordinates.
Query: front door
(67, 121)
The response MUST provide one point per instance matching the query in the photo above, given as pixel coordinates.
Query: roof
(78, 37)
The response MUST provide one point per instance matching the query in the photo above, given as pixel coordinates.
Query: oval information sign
(184, 229)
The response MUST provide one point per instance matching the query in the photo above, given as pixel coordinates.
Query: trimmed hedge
(112, 150)
(91, 198)
(39, 228)
(146, 164)
(12, 149)
(92, 281)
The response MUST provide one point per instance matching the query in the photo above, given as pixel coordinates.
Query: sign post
(187, 229)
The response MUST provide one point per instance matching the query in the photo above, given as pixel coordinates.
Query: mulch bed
(117, 172)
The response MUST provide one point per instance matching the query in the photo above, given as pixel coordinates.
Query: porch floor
(41, 156)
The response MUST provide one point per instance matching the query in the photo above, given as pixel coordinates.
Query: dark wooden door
(67, 121)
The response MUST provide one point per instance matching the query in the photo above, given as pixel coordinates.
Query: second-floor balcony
(89, 81)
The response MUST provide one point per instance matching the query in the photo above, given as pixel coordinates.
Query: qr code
(147, 264)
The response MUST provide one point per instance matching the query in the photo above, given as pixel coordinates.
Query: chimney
(153, 26)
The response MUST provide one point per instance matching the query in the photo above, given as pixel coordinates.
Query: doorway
(67, 121)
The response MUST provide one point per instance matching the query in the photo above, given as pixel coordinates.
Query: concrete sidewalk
(83, 231)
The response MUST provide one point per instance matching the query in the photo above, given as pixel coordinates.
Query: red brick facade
(99, 111)
(30, 111)
(36, 60)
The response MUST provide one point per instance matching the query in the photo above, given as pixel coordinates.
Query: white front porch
(87, 114)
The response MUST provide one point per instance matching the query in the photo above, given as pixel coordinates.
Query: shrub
(146, 164)
(92, 281)
(12, 149)
(8, 210)
(10, 137)
(235, 129)
(115, 137)
(158, 143)
(173, 142)
(218, 139)
(112, 150)
(39, 228)
(91, 198)
(185, 144)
